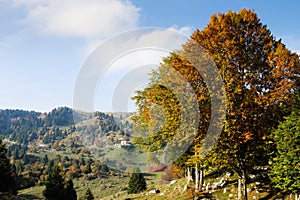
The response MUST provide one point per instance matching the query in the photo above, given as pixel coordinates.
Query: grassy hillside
(114, 187)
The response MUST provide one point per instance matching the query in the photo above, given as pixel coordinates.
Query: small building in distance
(124, 144)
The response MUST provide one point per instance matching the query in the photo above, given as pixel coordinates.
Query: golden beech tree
(165, 110)
(259, 76)
(259, 73)
(181, 92)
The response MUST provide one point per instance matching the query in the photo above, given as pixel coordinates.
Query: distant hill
(62, 128)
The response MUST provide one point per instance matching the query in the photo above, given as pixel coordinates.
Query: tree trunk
(242, 180)
(196, 177)
(244, 183)
(189, 175)
(242, 186)
(201, 181)
(239, 188)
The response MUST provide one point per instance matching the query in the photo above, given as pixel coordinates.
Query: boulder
(172, 182)
(185, 188)
(155, 191)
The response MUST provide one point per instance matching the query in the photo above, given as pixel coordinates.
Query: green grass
(114, 187)
(101, 187)
(32, 193)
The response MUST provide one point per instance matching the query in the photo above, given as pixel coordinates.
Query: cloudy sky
(45, 44)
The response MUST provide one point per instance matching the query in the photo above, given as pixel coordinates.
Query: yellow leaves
(257, 72)
(248, 136)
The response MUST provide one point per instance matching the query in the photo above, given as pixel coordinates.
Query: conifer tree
(137, 183)
(55, 185)
(70, 193)
(89, 195)
(285, 171)
(7, 177)
(57, 188)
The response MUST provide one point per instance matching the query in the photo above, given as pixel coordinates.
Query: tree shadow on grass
(149, 174)
(28, 196)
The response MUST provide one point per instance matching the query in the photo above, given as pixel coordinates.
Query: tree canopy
(260, 77)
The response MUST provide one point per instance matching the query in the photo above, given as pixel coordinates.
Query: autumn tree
(259, 73)
(286, 161)
(7, 176)
(259, 76)
(169, 110)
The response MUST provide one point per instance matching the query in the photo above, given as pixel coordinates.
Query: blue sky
(45, 43)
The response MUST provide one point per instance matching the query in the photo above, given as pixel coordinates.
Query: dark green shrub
(137, 183)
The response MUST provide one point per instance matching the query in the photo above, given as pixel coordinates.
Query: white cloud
(168, 37)
(85, 18)
(185, 30)
(143, 40)
(132, 55)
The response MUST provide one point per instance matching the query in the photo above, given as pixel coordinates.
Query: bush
(137, 183)
(156, 167)
(132, 169)
(168, 174)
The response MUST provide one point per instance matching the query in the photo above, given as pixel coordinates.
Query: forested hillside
(25, 127)
(35, 142)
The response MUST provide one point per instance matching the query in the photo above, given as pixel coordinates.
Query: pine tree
(89, 195)
(82, 161)
(285, 172)
(55, 186)
(7, 178)
(137, 183)
(87, 169)
(45, 159)
(70, 193)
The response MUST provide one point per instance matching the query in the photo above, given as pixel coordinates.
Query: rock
(228, 174)
(207, 186)
(252, 176)
(172, 182)
(185, 188)
(230, 195)
(222, 184)
(155, 191)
